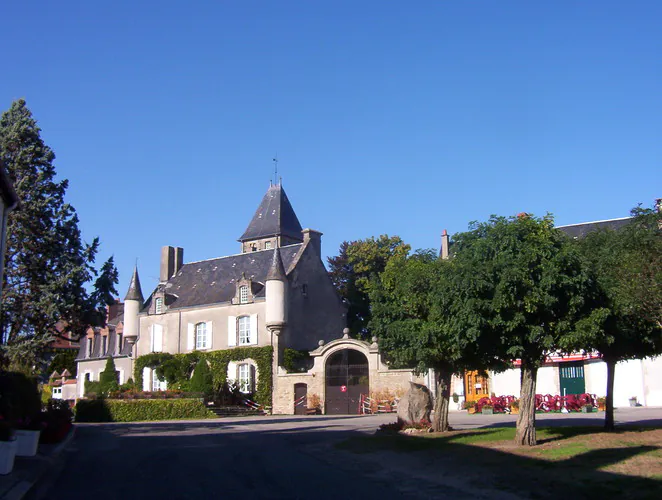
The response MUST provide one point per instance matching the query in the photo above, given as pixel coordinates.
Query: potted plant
(28, 431)
(7, 447)
(633, 401)
(514, 407)
(487, 410)
(470, 406)
(602, 403)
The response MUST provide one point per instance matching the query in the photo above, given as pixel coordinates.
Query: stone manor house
(275, 292)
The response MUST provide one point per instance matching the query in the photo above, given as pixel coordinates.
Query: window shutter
(252, 381)
(157, 335)
(151, 338)
(210, 335)
(147, 379)
(232, 371)
(121, 376)
(191, 336)
(253, 329)
(232, 331)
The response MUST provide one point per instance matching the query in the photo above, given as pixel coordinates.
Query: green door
(571, 375)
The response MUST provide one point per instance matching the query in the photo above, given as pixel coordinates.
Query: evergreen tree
(109, 378)
(201, 380)
(47, 264)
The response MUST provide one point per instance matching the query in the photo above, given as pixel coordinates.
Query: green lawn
(583, 462)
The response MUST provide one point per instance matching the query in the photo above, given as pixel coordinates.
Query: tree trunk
(441, 402)
(526, 420)
(609, 407)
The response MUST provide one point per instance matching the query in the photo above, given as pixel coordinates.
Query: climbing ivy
(176, 369)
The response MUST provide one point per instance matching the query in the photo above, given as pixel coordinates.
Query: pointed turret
(132, 304)
(276, 290)
(277, 270)
(134, 292)
(274, 223)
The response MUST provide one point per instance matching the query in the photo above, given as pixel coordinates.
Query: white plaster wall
(628, 382)
(595, 377)
(506, 383)
(548, 381)
(653, 381)
(175, 326)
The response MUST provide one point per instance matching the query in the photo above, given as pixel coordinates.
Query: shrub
(92, 388)
(176, 368)
(19, 397)
(109, 378)
(201, 380)
(56, 421)
(111, 410)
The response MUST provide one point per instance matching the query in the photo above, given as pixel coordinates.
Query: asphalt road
(255, 457)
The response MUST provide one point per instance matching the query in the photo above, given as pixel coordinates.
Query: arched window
(246, 378)
(201, 337)
(243, 294)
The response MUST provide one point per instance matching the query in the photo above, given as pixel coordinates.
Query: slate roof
(582, 229)
(274, 217)
(214, 281)
(97, 343)
(134, 293)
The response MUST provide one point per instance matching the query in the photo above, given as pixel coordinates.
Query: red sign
(343, 388)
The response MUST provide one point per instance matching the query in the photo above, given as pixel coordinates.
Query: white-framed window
(201, 336)
(57, 392)
(120, 342)
(244, 323)
(243, 294)
(267, 245)
(157, 383)
(158, 305)
(157, 338)
(90, 343)
(245, 377)
(104, 343)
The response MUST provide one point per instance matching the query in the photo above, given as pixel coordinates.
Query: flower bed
(544, 403)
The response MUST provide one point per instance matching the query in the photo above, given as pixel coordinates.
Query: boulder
(416, 405)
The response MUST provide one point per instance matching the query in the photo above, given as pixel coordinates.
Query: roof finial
(275, 160)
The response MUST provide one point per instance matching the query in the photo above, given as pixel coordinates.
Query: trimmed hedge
(177, 368)
(136, 410)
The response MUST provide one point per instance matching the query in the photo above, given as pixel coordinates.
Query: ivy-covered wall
(176, 369)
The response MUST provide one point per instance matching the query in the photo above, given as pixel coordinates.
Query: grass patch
(584, 462)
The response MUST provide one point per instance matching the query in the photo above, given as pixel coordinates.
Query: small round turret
(276, 299)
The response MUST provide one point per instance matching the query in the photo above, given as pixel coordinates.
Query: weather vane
(275, 160)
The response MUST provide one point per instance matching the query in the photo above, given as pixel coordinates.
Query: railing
(371, 406)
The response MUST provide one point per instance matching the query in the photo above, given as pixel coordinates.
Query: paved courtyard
(257, 457)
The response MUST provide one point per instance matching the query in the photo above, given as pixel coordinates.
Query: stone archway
(346, 378)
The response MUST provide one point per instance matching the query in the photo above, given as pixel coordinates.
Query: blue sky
(388, 117)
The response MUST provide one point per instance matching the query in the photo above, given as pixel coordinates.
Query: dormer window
(243, 294)
(89, 346)
(267, 245)
(158, 305)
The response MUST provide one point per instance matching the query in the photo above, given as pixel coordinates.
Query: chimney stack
(315, 239)
(445, 242)
(172, 260)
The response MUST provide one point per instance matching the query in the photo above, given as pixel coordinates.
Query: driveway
(255, 457)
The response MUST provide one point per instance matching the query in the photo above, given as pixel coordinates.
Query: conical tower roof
(277, 270)
(274, 217)
(134, 293)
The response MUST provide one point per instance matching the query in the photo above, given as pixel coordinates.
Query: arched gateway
(346, 378)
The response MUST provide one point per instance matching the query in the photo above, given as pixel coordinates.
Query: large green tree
(521, 287)
(628, 266)
(48, 266)
(354, 270)
(412, 314)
